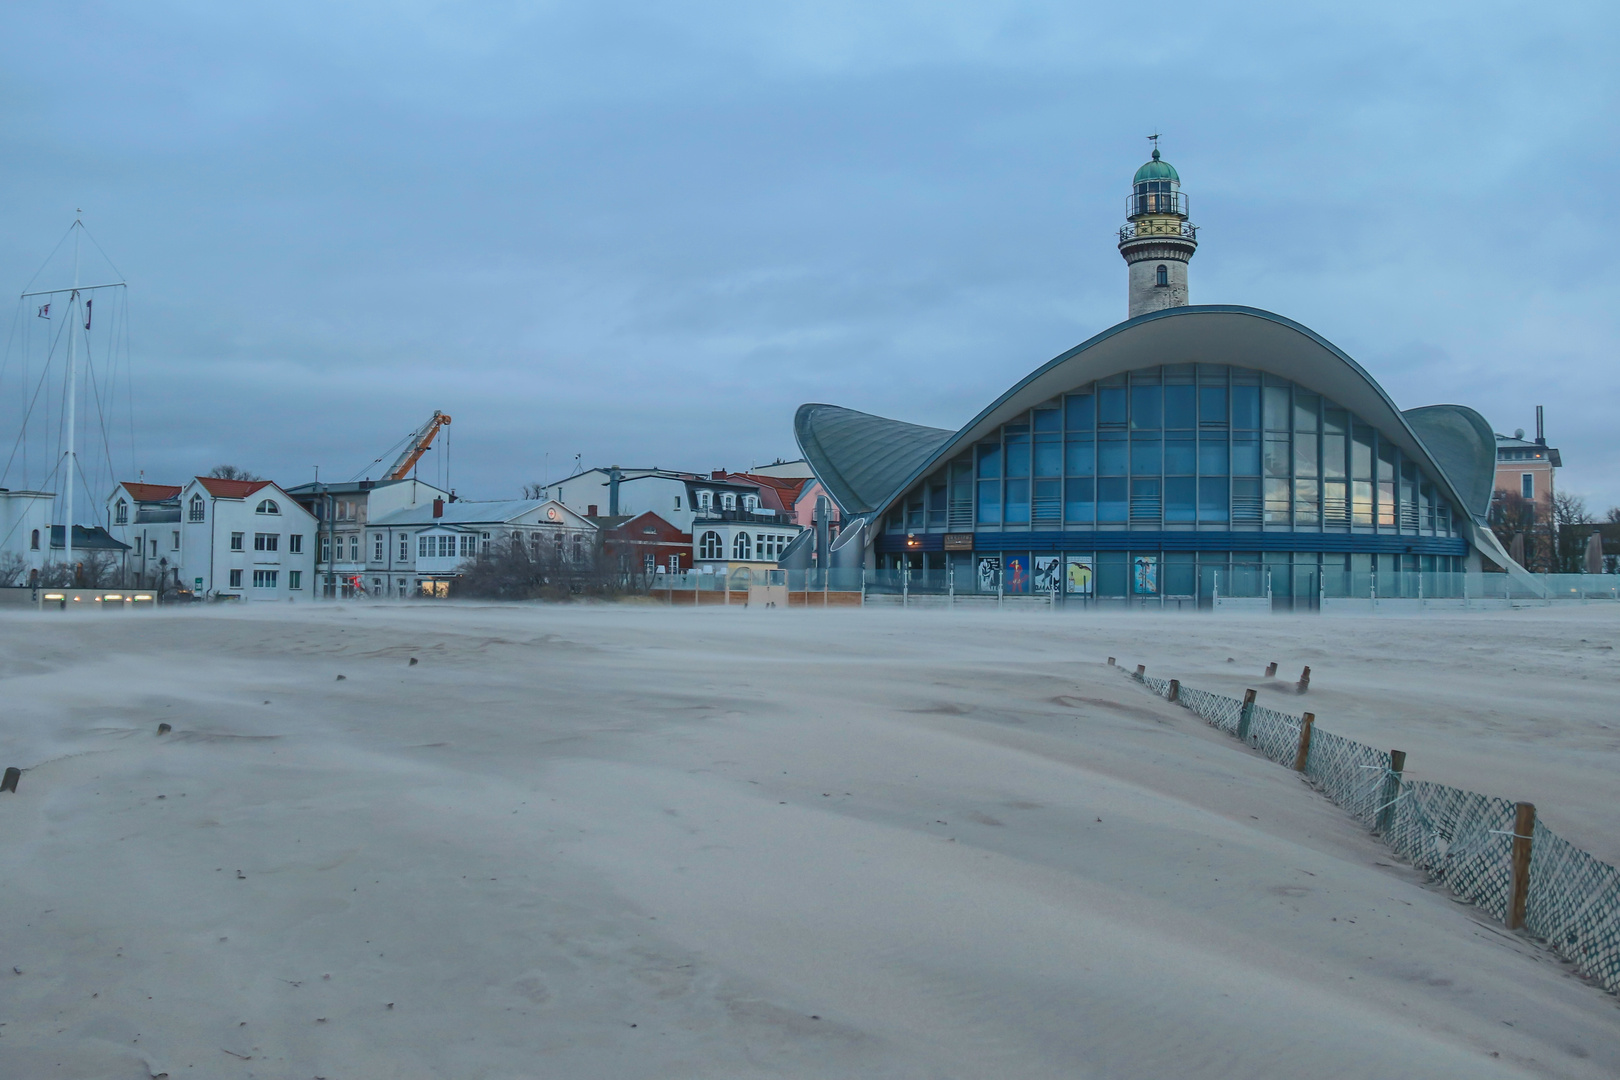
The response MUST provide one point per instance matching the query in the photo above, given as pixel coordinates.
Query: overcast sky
(646, 233)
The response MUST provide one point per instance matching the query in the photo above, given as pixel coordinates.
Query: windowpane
(1048, 504)
(1333, 455)
(989, 502)
(1017, 502)
(1277, 454)
(1111, 405)
(1145, 499)
(1180, 493)
(1017, 455)
(1079, 499)
(1112, 455)
(1245, 454)
(1276, 407)
(1048, 456)
(1361, 454)
(1082, 457)
(1279, 501)
(1246, 504)
(1335, 503)
(1212, 458)
(1180, 457)
(1082, 412)
(990, 461)
(1212, 498)
(1111, 503)
(1361, 509)
(1145, 456)
(1305, 454)
(1146, 407)
(1048, 420)
(1180, 406)
(1212, 406)
(1245, 406)
(1306, 502)
(1305, 409)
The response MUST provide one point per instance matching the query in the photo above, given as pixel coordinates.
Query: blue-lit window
(1147, 409)
(1113, 457)
(1111, 406)
(1082, 412)
(1048, 455)
(1246, 454)
(1017, 502)
(1212, 406)
(1145, 507)
(1212, 499)
(1080, 457)
(1145, 458)
(1245, 406)
(1080, 499)
(1111, 498)
(989, 461)
(1048, 420)
(1212, 460)
(989, 502)
(1180, 494)
(1180, 457)
(1180, 406)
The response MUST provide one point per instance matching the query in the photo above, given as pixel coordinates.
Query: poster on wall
(1079, 575)
(1017, 569)
(989, 572)
(1048, 573)
(1146, 573)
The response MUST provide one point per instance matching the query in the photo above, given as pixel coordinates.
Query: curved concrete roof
(862, 458)
(1464, 446)
(869, 453)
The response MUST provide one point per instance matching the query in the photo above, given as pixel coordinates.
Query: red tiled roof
(777, 492)
(150, 492)
(231, 489)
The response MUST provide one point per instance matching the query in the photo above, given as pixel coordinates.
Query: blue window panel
(1245, 454)
(1082, 412)
(1212, 406)
(1180, 457)
(1145, 500)
(1180, 406)
(1080, 499)
(1113, 457)
(1017, 455)
(1179, 495)
(1212, 498)
(1147, 408)
(1145, 457)
(1111, 498)
(1048, 420)
(1212, 456)
(1048, 506)
(1245, 406)
(1048, 456)
(1081, 457)
(1017, 502)
(989, 502)
(990, 461)
(1111, 405)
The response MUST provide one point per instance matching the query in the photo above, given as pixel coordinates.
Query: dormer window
(1163, 276)
(750, 503)
(121, 513)
(268, 506)
(196, 512)
(728, 501)
(705, 499)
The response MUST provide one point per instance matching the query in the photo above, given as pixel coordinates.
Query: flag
(44, 311)
(87, 304)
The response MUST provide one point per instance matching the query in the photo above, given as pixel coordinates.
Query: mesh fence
(1461, 838)
(1575, 906)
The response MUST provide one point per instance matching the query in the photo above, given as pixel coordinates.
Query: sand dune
(639, 842)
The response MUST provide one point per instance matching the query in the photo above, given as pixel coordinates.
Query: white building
(25, 534)
(245, 538)
(433, 541)
(352, 557)
(681, 499)
(147, 518)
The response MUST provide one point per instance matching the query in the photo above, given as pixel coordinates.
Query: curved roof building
(1186, 452)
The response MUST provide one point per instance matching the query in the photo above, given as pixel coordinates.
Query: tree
(1512, 515)
(533, 490)
(13, 568)
(1613, 515)
(231, 472)
(1569, 515)
(540, 568)
(90, 570)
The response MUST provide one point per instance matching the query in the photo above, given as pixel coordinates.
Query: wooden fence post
(1392, 790)
(1141, 670)
(1175, 690)
(1304, 681)
(1524, 827)
(1306, 724)
(1110, 661)
(1271, 669)
(1246, 716)
(13, 774)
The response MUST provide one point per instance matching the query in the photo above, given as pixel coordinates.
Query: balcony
(1146, 230)
(757, 517)
(1157, 202)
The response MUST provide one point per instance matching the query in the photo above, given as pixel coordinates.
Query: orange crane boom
(419, 443)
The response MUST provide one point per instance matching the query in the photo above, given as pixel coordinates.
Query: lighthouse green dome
(1156, 170)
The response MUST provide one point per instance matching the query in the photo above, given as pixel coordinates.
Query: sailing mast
(71, 456)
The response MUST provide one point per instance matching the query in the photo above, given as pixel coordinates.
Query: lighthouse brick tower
(1157, 240)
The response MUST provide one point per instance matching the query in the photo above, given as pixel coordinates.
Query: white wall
(21, 513)
(206, 545)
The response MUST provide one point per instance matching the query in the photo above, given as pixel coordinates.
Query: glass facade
(1182, 447)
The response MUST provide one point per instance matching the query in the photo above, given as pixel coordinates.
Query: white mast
(73, 399)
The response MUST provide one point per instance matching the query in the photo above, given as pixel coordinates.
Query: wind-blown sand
(639, 842)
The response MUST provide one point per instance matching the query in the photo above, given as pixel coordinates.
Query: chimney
(718, 474)
(438, 508)
(1541, 430)
(590, 511)
(613, 491)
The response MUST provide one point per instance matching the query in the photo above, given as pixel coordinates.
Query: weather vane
(1154, 139)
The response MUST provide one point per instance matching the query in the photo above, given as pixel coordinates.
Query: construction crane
(416, 446)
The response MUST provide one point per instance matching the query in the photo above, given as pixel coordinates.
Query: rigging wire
(44, 371)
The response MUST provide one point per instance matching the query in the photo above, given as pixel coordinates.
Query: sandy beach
(618, 842)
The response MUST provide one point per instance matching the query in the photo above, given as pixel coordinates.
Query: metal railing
(1143, 230)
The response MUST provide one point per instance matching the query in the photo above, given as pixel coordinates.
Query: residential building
(1525, 468)
(419, 550)
(645, 544)
(147, 518)
(248, 539)
(353, 559)
(25, 523)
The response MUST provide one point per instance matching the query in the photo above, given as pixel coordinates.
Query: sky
(645, 234)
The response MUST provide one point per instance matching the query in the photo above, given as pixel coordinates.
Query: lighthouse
(1157, 239)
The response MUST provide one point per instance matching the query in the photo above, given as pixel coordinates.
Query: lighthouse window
(1164, 276)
